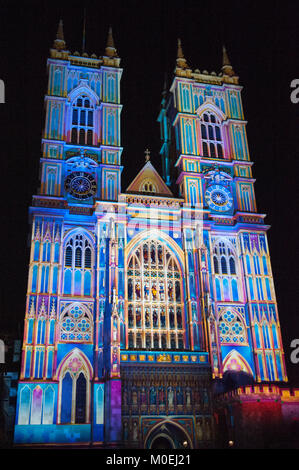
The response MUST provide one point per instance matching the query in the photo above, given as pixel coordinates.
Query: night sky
(263, 45)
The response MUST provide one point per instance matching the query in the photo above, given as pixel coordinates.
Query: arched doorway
(168, 435)
(162, 441)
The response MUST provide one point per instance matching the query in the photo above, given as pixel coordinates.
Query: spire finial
(181, 61)
(110, 48)
(180, 54)
(225, 59)
(59, 34)
(59, 42)
(147, 155)
(227, 68)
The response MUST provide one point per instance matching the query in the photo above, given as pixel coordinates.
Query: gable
(148, 181)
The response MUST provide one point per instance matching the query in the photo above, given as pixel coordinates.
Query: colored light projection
(136, 299)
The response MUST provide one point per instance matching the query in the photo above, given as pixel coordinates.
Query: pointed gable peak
(148, 181)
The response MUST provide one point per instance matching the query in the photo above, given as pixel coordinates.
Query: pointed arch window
(36, 409)
(205, 149)
(51, 181)
(216, 266)
(74, 392)
(46, 251)
(78, 265)
(66, 404)
(25, 405)
(48, 405)
(211, 136)
(36, 251)
(232, 265)
(226, 271)
(41, 330)
(155, 298)
(203, 132)
(223, 265)
(80, 416)
(57, 82)
(82, 121)
(74, 135)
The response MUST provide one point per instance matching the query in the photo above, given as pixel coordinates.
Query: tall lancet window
(155, 299)
(82, 121)
(74, 391)
(78, 266)
(226, 272)
(211, 136)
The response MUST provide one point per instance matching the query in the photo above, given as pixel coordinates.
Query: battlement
(262, 392)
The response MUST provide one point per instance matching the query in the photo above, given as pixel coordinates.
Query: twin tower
(140, 302)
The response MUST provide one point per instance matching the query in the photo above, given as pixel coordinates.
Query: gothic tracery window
(82, 121)
(231, 328)
(155, 299)
(78, 266)
(212, 144)
(76, 324)
(225, 270)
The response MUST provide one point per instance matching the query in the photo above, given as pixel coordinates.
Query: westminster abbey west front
(142, 303)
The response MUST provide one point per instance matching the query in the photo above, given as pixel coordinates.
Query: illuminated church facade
(139, 302)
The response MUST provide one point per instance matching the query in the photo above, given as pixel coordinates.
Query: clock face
(80, 185)
(218, 198)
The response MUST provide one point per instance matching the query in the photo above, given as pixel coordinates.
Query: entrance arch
(168, 435)
(162, 441)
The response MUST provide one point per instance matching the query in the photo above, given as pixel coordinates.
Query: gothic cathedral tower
(70, 280)
(139, 301)
(203, 131)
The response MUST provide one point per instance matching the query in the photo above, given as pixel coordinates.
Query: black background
(262, 41)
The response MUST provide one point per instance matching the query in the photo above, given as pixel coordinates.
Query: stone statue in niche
(179, 396)
(135, 431)
(205, 399)
(188, 397)
(143, 396)
(125, 431)
(161, 395)
(199, 430)
(170, 397)
(134, 397)
(152, 396)
(208, 431)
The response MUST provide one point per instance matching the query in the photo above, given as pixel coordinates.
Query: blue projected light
(218, 198)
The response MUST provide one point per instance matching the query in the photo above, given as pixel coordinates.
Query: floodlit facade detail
(140, 303)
